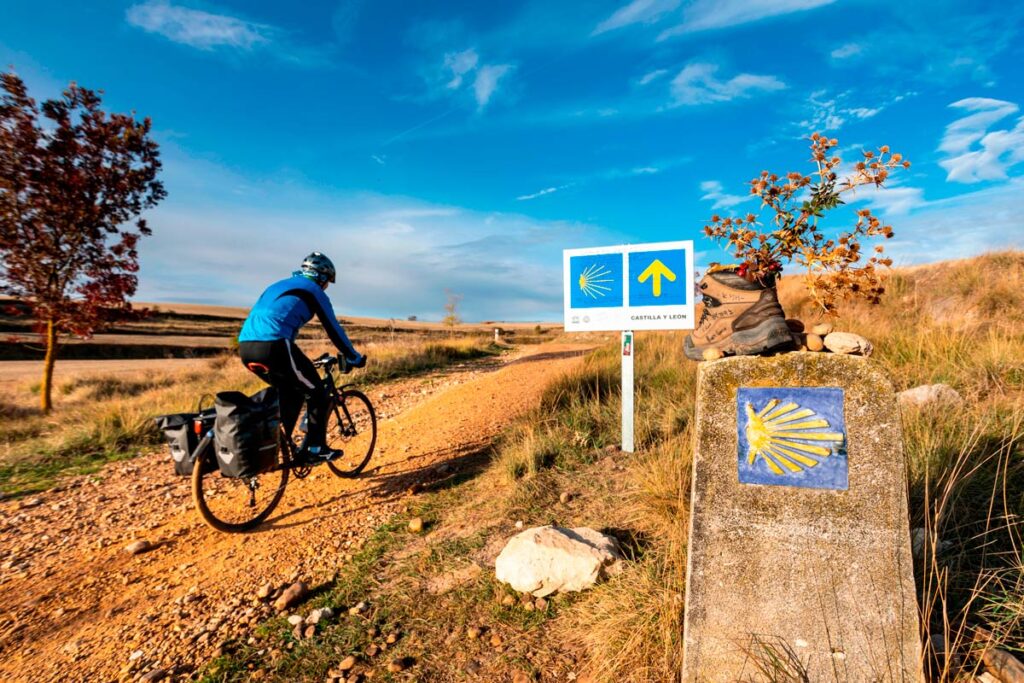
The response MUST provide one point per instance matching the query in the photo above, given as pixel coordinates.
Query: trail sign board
(625, 288)
(629, 287)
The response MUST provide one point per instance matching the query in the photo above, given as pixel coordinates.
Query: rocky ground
(82, 600)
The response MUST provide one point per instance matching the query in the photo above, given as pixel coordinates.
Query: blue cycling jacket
(286, 306)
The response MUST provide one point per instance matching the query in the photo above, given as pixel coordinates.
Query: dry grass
(632, 626)
(102, 418)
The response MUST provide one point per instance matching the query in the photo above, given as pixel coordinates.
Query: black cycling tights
(296, 380)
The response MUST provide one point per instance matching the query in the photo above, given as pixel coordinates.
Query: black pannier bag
(181, 436)
(246, 432)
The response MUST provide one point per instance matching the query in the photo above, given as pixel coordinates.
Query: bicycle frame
(334, 392)
(334, 401)
(345, 403)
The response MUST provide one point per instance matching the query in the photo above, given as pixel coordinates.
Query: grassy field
(961, 323)
(98, 418)
(193, 330)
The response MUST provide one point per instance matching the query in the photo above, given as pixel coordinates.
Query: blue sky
(463, 145)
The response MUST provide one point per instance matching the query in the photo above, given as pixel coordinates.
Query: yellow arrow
(657, 270)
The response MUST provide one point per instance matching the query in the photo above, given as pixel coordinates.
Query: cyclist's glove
(360, 362)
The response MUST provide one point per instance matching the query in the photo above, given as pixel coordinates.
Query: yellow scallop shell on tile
(788, 437)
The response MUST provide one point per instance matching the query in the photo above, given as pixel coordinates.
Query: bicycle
(351, 428)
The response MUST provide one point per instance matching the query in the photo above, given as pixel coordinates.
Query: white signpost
(625, 288)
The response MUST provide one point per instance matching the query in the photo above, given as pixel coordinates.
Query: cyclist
(267, 347)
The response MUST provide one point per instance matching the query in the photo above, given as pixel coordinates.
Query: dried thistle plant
(835, 267)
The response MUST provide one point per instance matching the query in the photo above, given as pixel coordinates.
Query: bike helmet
(318, 267)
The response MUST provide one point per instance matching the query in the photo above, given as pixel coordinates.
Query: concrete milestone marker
(799, 552)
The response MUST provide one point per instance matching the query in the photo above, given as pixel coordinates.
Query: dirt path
(74, 606)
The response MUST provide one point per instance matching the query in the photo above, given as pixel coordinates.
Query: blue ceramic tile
(596, 281)
(792, 436)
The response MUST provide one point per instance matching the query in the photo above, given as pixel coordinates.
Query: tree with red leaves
(73, 182)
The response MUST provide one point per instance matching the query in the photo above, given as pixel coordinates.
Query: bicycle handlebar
(328, 361)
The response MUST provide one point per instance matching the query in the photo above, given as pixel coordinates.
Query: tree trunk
(46, 388)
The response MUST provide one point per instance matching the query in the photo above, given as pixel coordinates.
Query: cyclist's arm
(320, 306)
(325, 312)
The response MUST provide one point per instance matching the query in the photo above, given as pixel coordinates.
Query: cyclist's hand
(360, 362)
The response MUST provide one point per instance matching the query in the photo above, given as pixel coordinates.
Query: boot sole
(770, 334)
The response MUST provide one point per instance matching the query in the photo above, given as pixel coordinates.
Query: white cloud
(486, 82)
(465, 69)
(652, 76)
(610, 174)
(960, 226)
(395, 255)
(957, 42)
(891, 201)
(974, 153)
(846, 51)
(864, 112)
(646, 170)
(637, 12)
(702, 15)
(196, 28)
(540, 193)
(825, 114)
(713, 192)
(460, 64)
(830, 112)
(697, 84)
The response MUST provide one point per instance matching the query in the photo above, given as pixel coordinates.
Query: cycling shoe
(315, 456)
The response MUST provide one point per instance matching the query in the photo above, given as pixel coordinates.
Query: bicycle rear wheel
(352, 428)
(234, 505)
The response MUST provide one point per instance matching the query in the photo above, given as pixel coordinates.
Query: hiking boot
(740, 317)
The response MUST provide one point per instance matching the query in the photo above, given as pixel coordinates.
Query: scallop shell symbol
(594, 281)
(788, 437)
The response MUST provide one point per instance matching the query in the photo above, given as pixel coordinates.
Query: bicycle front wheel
(233, 505)
(351, 428)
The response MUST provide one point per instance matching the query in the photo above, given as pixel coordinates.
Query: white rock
(318, 615)
(295, 619)
(546, 559)
(138, 547)
(848, 342)
(928, 395)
